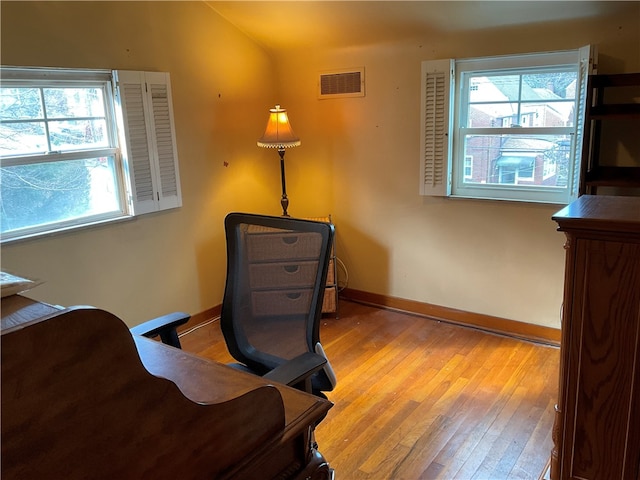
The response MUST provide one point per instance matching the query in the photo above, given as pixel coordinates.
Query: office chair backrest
(276, 274)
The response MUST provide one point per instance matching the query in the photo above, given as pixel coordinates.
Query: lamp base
(284, 201)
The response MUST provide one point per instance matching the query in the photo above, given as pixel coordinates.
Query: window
(81, 147)
(507, 128)
(468, 167)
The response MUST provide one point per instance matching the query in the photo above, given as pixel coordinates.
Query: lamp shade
(278, 133)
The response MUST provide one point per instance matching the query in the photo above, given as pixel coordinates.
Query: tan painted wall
(222, 88)
(496, 258)
(359, 161)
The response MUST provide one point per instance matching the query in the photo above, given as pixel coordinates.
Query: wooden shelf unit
(330, 301)
(601, 90)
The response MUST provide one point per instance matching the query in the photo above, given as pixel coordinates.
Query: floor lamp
(279, 134)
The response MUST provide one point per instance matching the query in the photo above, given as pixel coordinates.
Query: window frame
(119, 136)
(446, 127)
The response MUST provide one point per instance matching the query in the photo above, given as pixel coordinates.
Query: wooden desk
(82, 397)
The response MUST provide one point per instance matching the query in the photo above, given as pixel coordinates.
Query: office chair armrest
(166, 326)
(297, 370)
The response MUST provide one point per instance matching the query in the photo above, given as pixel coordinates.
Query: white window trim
(159, 157)
(440, 157)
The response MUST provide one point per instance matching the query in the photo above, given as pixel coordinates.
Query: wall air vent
(341, 83)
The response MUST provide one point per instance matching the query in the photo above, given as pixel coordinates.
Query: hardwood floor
(421, 399)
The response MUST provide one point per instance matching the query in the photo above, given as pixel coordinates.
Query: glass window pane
(23, 138)
(78, 134)
(20, 104)
(556, 84)
(74, 102)
(547, 114)
(540, 100)
(46, 193)
(494, 88)
(498, 115)
(541, 160)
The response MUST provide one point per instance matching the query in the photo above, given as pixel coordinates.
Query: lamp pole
(284, 201)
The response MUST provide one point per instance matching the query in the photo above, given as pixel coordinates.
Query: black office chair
(272, 305)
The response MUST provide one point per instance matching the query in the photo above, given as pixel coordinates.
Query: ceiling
(285, 24)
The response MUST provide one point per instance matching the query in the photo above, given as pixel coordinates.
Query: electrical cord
(345, 282)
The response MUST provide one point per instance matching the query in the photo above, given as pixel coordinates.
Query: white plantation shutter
(165, 140)
(435, 140)
(149, 151)
(588, 59)
(136, 151)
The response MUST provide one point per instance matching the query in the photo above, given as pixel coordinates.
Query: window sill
(66, 230)
(510, 200)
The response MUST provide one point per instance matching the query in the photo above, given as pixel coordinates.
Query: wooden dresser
(597, 426)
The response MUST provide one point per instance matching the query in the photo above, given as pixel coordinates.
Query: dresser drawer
(279, 275)
(279, 246)
(281, 302)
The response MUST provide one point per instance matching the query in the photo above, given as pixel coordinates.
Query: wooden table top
(601, 213)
